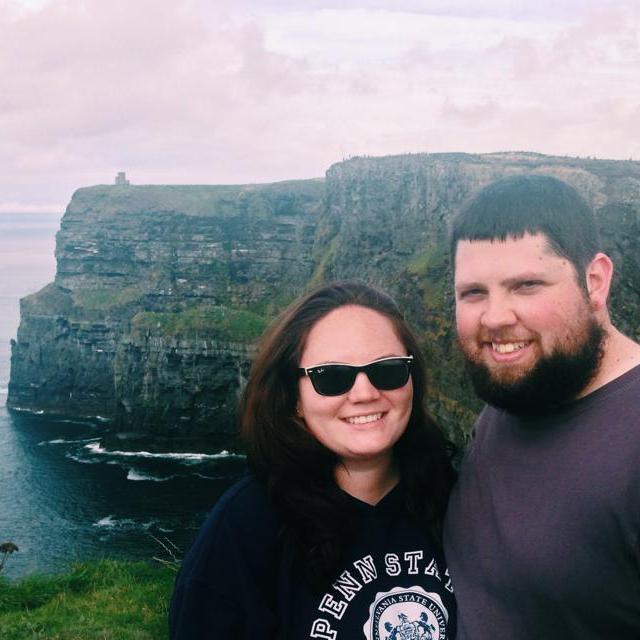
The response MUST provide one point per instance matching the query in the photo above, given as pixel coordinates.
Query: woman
(335, 534)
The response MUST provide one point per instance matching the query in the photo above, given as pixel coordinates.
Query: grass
(102, 600)
(234, 324)
(434, 256)
(105, 298)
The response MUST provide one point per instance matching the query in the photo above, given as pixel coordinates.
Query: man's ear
(598, 274)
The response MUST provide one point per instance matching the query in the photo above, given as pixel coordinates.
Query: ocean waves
(111, 522)
(151, 467)
(67, 485)
(185, 458)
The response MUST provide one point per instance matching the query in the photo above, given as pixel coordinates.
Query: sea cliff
(162, 291)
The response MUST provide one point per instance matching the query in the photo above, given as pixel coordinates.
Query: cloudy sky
(237, 91)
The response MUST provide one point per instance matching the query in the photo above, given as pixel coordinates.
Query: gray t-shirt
(542, 531)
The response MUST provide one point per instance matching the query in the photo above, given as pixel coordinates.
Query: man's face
(524, 324)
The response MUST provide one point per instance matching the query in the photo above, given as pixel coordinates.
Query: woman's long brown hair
(299, 471)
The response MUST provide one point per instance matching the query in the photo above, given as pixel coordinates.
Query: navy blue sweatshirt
(238, 583)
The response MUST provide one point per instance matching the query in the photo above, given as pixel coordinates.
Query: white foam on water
(114, 523)
(63, 441)
(97, 448)
(26, 410)
(109, 522)
(83, 423)
(80, 460)
(139, 476)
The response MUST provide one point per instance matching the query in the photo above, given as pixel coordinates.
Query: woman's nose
(362, 389)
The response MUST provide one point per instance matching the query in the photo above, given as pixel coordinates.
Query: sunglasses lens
(332, 380)
(336, 379)
(388, 374)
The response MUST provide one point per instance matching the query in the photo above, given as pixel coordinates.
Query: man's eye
(470, 294)
(528, 285)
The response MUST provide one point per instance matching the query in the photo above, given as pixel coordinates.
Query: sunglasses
(385, 374)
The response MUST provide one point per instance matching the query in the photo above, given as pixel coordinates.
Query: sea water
(63, 496)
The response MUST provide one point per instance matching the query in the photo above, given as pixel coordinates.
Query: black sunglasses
(335, 379)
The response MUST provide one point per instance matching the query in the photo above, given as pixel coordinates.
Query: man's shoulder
(485, 421)
(621, 391)
(620, 360)
(630, 378)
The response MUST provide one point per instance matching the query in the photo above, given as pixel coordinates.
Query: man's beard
(552, 382)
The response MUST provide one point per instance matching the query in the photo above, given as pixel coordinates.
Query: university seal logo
(407, 614)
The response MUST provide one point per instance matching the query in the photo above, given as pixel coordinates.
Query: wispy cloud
(244, 91)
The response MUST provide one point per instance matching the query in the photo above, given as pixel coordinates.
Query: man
(543, 530)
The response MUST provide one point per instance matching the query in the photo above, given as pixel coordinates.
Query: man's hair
(517, 205)
(298, 470)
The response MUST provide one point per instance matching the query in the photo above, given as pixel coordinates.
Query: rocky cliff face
(161, 291)
(386, 221)
(159, 295)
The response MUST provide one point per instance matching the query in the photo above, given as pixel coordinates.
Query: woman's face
(364, 423)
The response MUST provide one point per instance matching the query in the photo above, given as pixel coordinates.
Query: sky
(243, 91)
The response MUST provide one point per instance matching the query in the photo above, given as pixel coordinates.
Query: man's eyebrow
(507, 282)
(469, 285)
(523, 277)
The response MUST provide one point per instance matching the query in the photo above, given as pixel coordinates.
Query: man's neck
(620, 354)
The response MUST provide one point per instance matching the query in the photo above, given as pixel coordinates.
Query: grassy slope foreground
(103, 600)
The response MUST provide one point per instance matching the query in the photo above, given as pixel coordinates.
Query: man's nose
(498, 313)
(363, 390)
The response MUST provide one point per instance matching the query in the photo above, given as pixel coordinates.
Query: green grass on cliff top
(237, 325)
(106, 298)
(220, 201)
(105, 600)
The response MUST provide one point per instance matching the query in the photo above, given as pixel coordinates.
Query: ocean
(63, 496)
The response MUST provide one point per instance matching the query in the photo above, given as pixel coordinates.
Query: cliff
(161, 292)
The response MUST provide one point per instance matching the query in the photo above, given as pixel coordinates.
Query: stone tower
(121, 178)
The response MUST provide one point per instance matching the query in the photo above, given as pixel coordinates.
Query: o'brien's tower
(121, 178)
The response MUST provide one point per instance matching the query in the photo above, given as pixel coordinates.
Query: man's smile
(508, 347)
